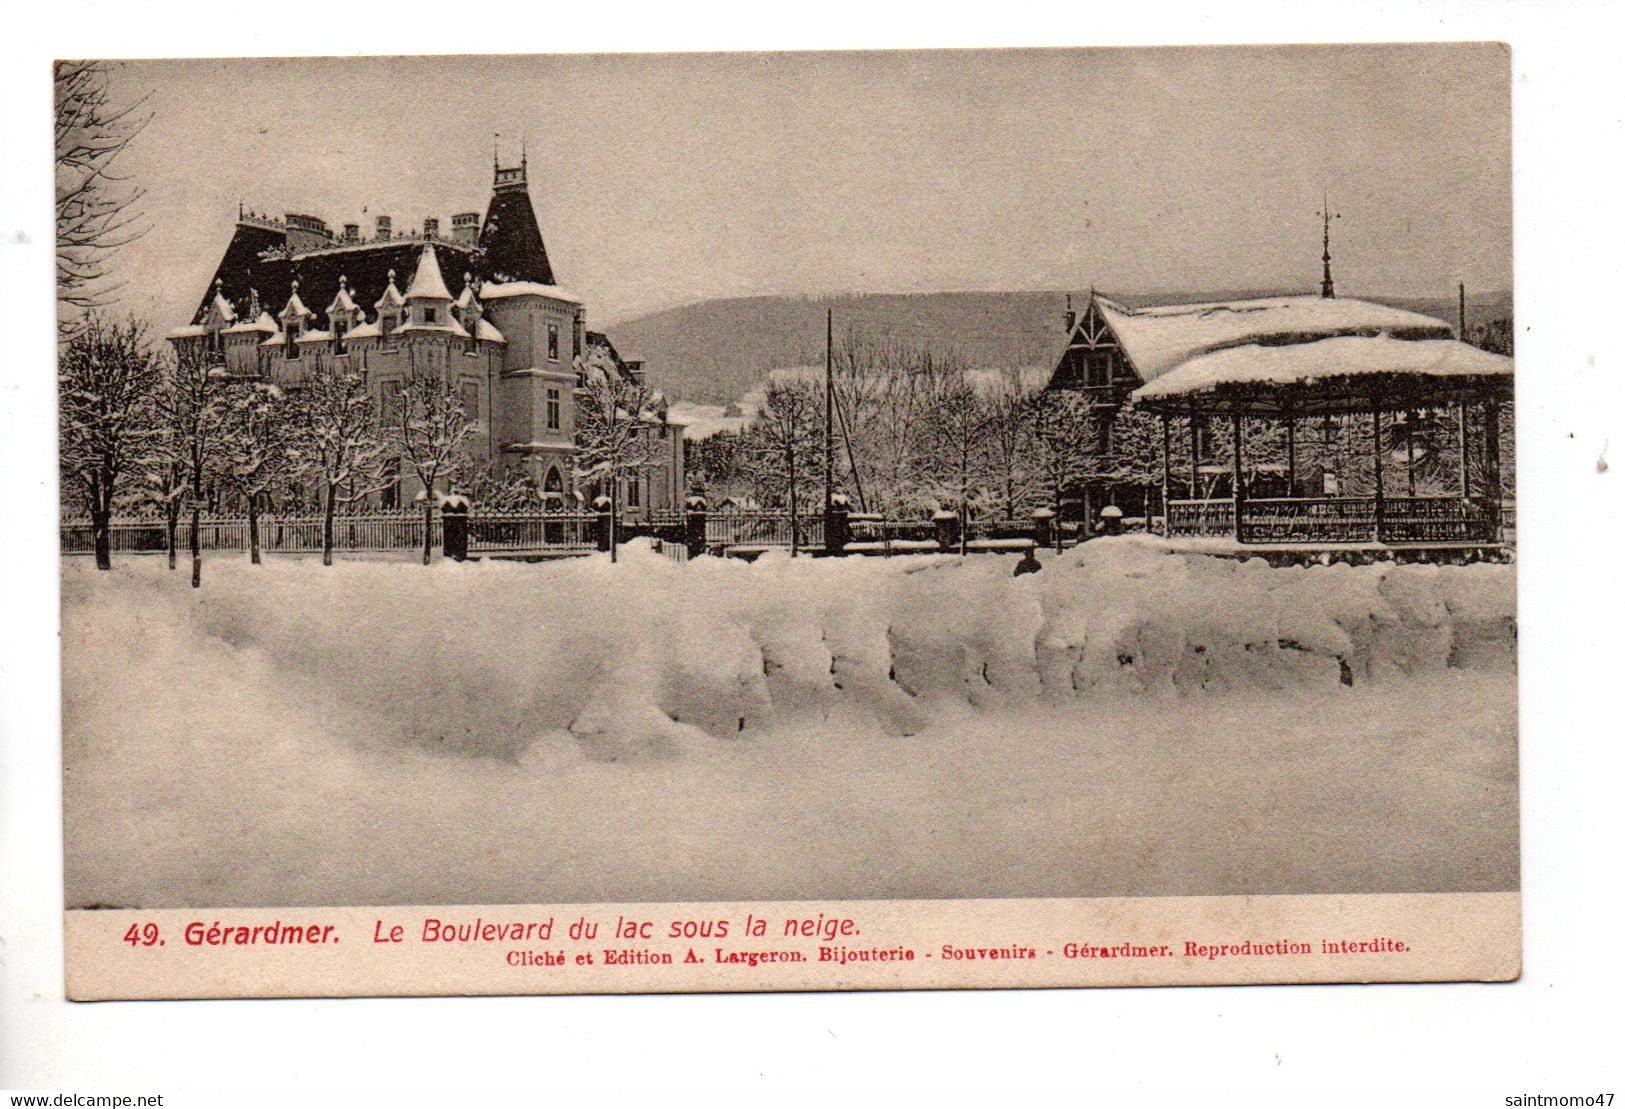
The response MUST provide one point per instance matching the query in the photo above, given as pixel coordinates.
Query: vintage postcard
(885, 520)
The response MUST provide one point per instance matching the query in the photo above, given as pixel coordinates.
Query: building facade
(509, 340)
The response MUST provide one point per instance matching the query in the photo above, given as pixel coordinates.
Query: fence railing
(762, 529)
(1265, 520)
(1202, 518)
(379, 531)
(521, 532)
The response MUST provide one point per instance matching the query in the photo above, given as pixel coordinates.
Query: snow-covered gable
(497, 290)
(295, 308)
(1339, 356)
(484, 330)
(391, 297)
(1158, 339)
(190, 331)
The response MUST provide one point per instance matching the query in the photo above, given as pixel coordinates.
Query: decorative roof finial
(1326, 216)
(392, 275)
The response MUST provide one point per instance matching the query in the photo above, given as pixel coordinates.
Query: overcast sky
(664, 179)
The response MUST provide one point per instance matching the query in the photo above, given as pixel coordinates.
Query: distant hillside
(717, 350)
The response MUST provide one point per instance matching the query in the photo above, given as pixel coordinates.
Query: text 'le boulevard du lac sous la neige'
(580, 944)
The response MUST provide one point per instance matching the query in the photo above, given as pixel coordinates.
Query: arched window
(553, 486)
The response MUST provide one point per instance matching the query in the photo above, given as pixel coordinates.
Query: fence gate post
(454, 528)
(1043, 527)
(947, 525)
(694, 525)
(837, 525)
(602, 523)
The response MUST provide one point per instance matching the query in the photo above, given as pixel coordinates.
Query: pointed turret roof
(391, 296)
(511, 237)
(222, 306)
(295, 306)
(427, 284)
(343, 302)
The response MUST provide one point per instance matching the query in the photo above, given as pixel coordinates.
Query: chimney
(384, 228)
(352, 232)
(306, 232)
(465, 227)
(431, 227)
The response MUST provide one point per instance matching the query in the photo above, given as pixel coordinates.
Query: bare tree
(338, 446)
(1063, 435)
(958, 433)
(255, 447)
(105, 417)
(1010, 449)
(431, 430)
(790, 430)
(191, 412)
(96, 208)
(614, 419)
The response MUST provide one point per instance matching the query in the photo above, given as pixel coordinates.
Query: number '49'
(142, 935)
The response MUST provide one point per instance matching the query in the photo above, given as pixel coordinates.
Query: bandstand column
(1236, 493)
(1291, 455)
(1167, 462)
(1376, 455)
(1461, 443)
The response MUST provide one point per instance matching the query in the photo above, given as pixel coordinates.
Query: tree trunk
(253, 530)
(101, 530)
(428, 529)
(790, 462)
(172, 520)
(614, 513)
(327, 524)
(197, 537)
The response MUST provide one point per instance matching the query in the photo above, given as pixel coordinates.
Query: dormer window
(290, 345)
(339, 329)
(428, 314)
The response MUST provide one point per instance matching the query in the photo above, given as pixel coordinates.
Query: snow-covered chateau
(291, 296)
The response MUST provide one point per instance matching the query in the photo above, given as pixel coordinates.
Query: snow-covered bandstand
(1366, 372)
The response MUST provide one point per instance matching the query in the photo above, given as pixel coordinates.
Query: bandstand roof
(1326, 376)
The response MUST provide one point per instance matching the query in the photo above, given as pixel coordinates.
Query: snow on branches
(106, 420)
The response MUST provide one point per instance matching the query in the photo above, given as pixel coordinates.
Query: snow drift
(379, 732)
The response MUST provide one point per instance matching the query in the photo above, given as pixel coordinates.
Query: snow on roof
(1159, 338)
(427, 284)
(466, 297)
(263, 323)
(498, 290)
(223, 306)
(484, 330)
(1340, 356)
(392, 294)
(365, 331)
(343, 301)
(315, 335)
(295, 306)
(190, 331)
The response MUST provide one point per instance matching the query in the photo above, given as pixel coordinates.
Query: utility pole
(829, 411)
(1461, 310)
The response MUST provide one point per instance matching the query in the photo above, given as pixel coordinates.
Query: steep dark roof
(366, 269)
(510, 249)
(512, 240)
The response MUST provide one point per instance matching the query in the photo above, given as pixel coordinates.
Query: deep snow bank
(648, 656)
(910, 728)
